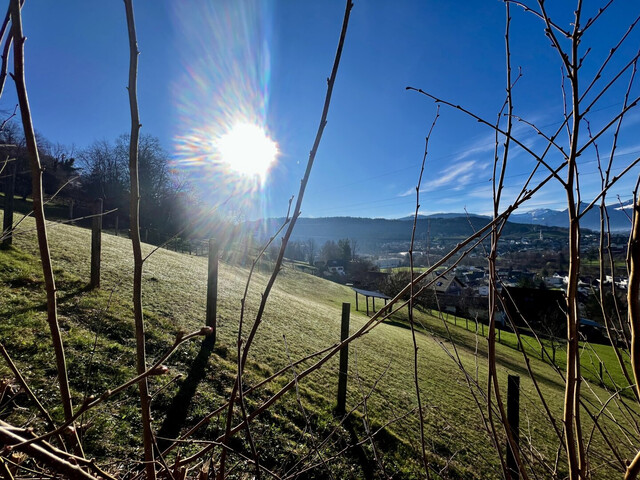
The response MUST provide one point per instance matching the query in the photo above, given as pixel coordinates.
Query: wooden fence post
(344, 361)
(513, 418)
(212, 292)
(601, 376)
(96, 244)
(9, 189)
(71, 205)
(116, 226)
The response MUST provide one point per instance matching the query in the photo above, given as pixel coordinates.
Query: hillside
(302, 317)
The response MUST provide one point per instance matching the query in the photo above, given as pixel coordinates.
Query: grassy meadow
(302, 316)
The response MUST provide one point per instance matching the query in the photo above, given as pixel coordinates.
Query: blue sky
(203, 63)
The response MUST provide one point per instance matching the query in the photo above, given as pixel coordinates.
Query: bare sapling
(425, 461)
(499, 172)
(38, 207)
(134, 225)
(633, 312)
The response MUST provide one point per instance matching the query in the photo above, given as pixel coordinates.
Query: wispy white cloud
(523, 133)
(473, 160)
(629, 150)
(484, 145)
(631, 119)
(456, 176)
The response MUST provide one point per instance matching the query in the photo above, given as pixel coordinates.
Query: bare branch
(38, 209)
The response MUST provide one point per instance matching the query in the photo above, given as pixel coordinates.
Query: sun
(247, 150)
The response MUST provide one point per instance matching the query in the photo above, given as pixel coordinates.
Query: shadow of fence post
(176, 416)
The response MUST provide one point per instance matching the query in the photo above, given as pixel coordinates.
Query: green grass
(302, 316)
(404, 269)
(542, 349)
(56, 209)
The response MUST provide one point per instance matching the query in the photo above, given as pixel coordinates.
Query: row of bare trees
(557, 161)
(74, 179)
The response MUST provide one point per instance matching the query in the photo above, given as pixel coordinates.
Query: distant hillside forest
(379, 235)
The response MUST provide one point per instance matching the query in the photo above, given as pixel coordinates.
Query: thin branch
(25, 386)
(52, 459)
(528, 9)
(296, 213)
(36, 177)
(411, 296)
(156, 369)
(134, 223)
(481, 120)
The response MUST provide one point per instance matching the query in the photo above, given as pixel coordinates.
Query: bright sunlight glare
(247, 149)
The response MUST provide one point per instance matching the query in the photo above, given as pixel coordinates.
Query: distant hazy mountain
(619, 217)
(379, 234)
(445, 215)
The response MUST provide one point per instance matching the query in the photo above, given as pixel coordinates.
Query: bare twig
(36, 177)
(411, 296)
(134, 222)
(25, 386)
(53, 459)
(296, 214)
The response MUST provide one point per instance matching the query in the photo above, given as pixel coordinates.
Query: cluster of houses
(533, 302)
(464, 289)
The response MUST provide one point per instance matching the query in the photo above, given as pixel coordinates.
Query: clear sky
(206, 63)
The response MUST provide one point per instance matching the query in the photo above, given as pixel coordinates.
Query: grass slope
(302, 316)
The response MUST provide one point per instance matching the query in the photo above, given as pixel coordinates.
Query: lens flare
(224, 146)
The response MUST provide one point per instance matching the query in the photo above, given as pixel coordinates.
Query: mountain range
(379, 234)
(619, 217)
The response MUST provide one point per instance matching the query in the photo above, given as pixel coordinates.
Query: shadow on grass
(177, 411)
(72, 290)
(357, 450)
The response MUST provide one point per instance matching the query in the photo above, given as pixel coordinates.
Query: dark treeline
(77, 178)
